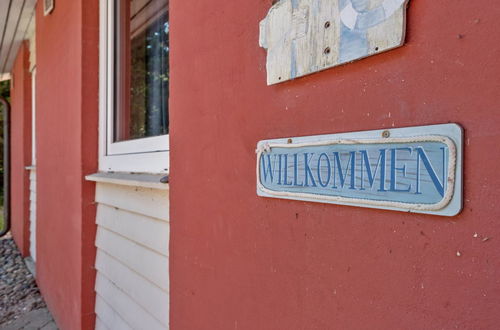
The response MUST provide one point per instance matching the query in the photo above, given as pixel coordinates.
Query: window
(134, 85)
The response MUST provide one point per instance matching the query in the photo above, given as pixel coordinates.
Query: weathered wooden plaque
(306, 36)
(414, 169)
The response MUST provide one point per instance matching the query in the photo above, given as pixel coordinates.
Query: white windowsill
(30, 168)
(130, 179)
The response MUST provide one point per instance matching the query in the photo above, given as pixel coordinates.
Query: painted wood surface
(414, 172)
(397, 169)
(33, 214)
(132, 257)
(147, 201)
(99, 325)
(151, 265)
(144, 293)
(143, 180)
(108, 316)
(306, 36)
(126, 307)
(149, 232)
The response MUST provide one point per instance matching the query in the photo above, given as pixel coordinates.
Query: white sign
(306, 36)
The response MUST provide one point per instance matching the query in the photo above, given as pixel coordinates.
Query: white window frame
(145, 155)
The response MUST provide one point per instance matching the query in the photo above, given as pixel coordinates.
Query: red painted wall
(239, 261)
(20, 149)
(67, 112)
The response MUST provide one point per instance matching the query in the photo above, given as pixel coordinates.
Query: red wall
(239, 261)
(20, 149)
(67, 111)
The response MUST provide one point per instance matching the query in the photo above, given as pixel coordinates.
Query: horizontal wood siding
(149, 202)
(33, 214)
(146, 231)
(110, 319)
(99, 325)
(132, 283)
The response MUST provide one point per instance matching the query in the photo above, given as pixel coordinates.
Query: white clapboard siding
(145, 293)
(126, 307)
(33, 214)
(146, 201)
(99, 325)
(151, 265)
(136, 227)
(108, 316)
(132, 283)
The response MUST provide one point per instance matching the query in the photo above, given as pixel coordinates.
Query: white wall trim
(130, 179)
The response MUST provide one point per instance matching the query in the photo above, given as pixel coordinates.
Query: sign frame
(449, 134)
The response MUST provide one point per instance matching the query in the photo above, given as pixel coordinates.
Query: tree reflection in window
(143, 110)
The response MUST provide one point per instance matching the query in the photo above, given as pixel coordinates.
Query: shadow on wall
(4, 92)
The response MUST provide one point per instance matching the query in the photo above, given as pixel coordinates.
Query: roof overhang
(4, 76)
(17, 23)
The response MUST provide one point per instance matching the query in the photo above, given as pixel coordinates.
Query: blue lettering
(343, 176)
(279, 169)
(329, 170)
(394, 169)
(307, 171)
(371, 175)
(421, 155)
(296, 171)
(285, 173)
(267, 170)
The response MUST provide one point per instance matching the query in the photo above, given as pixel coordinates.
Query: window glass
(141, 69)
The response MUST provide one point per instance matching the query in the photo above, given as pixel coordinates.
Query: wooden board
(307, 36)
(150, 202)
(149, 232)
(128, 310)
(107, 316)
(415, 169)
(132, 257)
(149, 264)
(149, 296)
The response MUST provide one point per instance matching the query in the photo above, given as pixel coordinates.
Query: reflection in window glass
(141, 69)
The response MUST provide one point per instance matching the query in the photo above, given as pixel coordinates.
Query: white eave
(17, 23)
